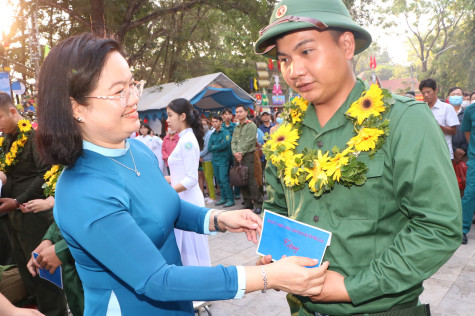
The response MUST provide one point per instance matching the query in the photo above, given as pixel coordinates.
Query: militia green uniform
(24, 181)
(244, 141)
(71, 282)
(220, 145)
(230, 129)
(391, 233)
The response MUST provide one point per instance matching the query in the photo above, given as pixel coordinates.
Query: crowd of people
(130, 219)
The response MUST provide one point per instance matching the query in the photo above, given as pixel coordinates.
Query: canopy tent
(207, 93)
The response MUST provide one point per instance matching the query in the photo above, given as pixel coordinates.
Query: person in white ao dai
(183, 163)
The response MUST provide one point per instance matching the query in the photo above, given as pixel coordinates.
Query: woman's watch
(216, 226)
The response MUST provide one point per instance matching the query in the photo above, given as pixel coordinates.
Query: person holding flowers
(20, 162)
(370, 167)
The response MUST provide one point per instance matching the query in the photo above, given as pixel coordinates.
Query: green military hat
(292, 15)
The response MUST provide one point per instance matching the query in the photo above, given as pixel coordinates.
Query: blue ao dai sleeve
(135, 259)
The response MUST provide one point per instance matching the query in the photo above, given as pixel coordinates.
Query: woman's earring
(79, 119)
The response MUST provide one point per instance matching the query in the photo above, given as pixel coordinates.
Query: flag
(270, 64)
(255, 84)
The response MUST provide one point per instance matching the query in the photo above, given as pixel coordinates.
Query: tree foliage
(438, 30)
(164, 41)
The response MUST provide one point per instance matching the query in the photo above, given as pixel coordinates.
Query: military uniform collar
(338, 119)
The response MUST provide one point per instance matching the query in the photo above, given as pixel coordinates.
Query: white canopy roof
(207, 92)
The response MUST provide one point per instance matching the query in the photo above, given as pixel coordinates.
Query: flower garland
(51, 177)
(322, 170)
(10, 159)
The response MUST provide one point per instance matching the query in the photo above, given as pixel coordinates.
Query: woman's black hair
(193, 119)
(70, 72)
(143, 124)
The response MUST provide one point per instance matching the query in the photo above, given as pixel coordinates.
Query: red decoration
(270, 64)
(372, 62)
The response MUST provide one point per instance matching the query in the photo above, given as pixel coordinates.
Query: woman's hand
(38, 205)
(291, 275)
(239, 221)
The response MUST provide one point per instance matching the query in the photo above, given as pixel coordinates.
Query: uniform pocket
(366, 201)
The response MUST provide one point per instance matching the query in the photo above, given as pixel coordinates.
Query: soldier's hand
(32, 264)
(3, 177)
(7, 204)
(48, 259)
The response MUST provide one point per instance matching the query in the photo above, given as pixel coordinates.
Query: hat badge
(281, 12)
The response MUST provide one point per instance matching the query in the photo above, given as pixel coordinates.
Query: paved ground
(451, 291)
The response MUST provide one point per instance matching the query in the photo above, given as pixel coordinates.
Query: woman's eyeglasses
(124, 97)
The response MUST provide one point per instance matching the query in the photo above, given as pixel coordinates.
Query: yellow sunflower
(317, 173)
(8, 159)
(335, 164)
(1, 141)
(24, 125)
(295, 116)
(14, 151)
(370, 103)
(295, 161)
(276, 159)
(301, 103)
(366, 139)
(286, 136)
(48, 174)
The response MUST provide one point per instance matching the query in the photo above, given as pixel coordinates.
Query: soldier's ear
(347, 40)
(12, 111)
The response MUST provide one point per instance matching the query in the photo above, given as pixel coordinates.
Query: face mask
(465, 103)
(279, 120)
(205, 128)
(455, 100)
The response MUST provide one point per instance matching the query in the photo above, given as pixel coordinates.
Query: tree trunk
(98, 23)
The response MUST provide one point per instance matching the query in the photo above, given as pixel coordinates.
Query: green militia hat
(293, 15)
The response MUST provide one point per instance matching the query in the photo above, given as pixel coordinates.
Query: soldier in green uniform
(243, 145)
(399, 220)
(229, 125)
(54, 242)
(24, 170)
(220, 145)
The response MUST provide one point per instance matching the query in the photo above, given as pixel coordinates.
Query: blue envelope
(284, 236)
(56, 278)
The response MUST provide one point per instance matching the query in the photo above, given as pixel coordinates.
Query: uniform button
(316, 218)
(319, 144)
